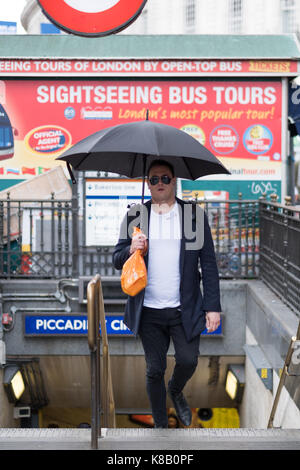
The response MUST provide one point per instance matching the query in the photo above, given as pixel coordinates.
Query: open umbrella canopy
(128, 149)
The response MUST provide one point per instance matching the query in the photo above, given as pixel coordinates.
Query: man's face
(161, 192)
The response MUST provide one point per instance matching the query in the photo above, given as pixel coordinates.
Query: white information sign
(107, 202)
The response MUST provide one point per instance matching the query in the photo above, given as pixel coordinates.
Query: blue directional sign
(69, 325)
(77, 325)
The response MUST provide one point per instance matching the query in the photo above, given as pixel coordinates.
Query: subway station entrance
(56, 410)
(54, 238)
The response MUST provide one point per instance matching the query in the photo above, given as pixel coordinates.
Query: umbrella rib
(132, 166)
(187, 167)
(83, 158)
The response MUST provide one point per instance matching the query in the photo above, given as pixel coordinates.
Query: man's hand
(139, 243)
(213, 320)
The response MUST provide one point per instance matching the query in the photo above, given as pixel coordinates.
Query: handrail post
(98, 389)
(108, 399)
(94, 346)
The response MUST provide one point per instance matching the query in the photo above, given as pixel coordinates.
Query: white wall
(6, 409)
(257, 401)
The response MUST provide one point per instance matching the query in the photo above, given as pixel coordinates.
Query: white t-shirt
(162, 290)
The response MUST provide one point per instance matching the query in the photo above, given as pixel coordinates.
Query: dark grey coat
(194, 304)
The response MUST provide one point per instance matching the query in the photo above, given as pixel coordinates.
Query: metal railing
(44, 239)
(280, 249)
(96, 318)
(36, 238)
(235, 230)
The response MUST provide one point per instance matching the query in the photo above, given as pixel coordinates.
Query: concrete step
(151, 439)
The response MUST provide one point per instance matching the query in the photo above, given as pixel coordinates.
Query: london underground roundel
(92, 17)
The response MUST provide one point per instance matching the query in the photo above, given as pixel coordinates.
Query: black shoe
(182, 408)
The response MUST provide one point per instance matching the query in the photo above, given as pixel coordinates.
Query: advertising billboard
(239, 120)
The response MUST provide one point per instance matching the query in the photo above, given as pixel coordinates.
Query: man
(171, 306)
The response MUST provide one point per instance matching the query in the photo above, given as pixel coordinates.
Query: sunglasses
(164, 179)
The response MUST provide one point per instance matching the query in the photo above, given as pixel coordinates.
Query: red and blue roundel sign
(92, 17)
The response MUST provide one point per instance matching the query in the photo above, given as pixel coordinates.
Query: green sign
(229, 189)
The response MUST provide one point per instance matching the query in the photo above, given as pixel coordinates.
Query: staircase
(177, 440)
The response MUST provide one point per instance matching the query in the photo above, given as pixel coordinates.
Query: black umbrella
(128, 149)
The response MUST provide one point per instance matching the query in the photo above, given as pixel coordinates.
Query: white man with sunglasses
(172, 305)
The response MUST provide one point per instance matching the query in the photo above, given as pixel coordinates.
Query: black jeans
(157, 327)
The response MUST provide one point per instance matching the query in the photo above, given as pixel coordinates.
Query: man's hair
(160, 162)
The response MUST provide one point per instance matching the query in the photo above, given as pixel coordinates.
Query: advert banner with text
(239, 121)
(149, 67)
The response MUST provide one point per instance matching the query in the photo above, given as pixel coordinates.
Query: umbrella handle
(144, 175)
(144, 161)
(143, 189)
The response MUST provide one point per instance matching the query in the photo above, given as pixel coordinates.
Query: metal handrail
(108, 395)
(285, 373)
(96, 318)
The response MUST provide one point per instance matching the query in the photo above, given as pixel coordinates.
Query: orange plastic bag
(134, 272)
